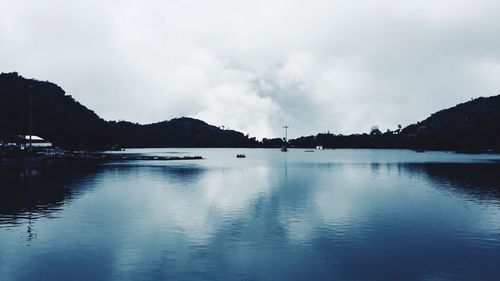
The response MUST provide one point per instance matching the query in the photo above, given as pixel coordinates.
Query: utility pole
(284, 148)
(286, 133)
(30, 117)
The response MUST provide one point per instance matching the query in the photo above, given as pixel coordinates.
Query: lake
(324, 215)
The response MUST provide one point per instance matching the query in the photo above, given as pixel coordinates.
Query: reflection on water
(271, 216)
(479, 181)
(36, 192)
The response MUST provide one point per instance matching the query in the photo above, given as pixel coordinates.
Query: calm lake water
(324, 215)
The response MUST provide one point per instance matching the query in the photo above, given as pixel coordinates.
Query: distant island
(59, 118)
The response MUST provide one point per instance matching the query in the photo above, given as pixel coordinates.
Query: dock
(102, 156)
(81, 157)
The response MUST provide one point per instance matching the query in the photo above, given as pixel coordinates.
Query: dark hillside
(179, 132)
(470, 125)
(60, 119)
(55, 115)
(473, 126)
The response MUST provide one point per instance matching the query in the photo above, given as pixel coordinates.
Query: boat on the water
(240, 156)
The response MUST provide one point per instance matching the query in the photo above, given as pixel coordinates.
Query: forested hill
(57, 117)
(65, 122)
(471, 125)
(178, 132)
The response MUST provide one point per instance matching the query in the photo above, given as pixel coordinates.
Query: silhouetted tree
(374, 131)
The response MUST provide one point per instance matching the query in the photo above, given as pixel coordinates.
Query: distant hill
(471, 125)
(66, 123)
(179, 132)
(57, 117)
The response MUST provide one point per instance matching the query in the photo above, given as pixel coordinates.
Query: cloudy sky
(335, 65)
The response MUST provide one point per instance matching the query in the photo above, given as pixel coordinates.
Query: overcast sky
(339, 66)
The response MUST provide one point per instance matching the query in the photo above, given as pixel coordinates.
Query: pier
(103, 156)
(33, 158)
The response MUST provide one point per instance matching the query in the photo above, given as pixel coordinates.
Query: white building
(37, 141)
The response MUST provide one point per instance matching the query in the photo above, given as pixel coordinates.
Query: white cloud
(315, 65)
(487, 72)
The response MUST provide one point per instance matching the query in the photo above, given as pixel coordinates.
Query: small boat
(116, 148)
(240, 156)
